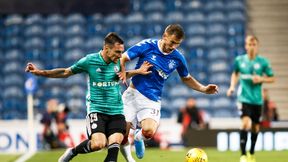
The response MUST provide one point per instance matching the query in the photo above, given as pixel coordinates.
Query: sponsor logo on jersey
(105, 84)
(246, 76)
(162, 74)
(153, 57)
(98, 70)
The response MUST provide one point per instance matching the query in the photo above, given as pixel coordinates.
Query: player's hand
(230, 91)
(211, 89)
(256, 79)
(143, 70)
(31, 68)
(122, 77)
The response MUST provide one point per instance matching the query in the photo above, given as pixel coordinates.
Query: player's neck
(103, 53)
(160, 47)
(252, 56)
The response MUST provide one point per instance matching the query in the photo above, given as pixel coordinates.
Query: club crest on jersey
(116, 69)
(171, 64)
(256, 66)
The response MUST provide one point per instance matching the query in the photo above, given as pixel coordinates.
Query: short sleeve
(236, 65)
(268, 69)
(182, 69)
(137, 50)
(80, 66)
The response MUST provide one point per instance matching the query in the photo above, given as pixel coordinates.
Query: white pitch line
(25, 157)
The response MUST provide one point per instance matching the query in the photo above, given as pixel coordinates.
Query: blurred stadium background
(56, 33)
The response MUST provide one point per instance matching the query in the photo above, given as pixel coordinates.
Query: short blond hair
(251, 37)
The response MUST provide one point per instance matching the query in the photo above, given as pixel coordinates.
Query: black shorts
(253, 111)
(107, 124)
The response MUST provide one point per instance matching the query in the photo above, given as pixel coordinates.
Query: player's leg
(149, 127)
(114, 142)
(256, 114)
(149, 115)
(125, 147)
(254, 134)
(96, 141)
(130, 111)
(115, 131)
(243, 137)
(245, 127)
(149, 119)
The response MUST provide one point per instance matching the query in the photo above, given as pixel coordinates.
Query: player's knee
(246, 123)
(125, 140)
(148, 133)
(246, 126)
(255, 128)
(98, 145)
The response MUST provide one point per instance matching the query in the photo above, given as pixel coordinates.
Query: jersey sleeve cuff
(188, 75)
(126, 54)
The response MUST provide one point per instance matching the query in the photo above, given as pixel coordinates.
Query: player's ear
(106, 47)
(164, 35)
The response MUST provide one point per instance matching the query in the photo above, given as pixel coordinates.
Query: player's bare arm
(123, 60)
(143, 70)
(262, 79)
(53, 73)
(194, 84)
(233, 83)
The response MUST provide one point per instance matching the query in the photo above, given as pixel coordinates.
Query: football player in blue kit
(142, 99)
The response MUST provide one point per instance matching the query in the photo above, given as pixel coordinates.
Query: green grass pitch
(156, 155)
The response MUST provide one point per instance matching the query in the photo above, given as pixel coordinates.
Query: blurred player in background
(142, 99)
(50, 136)
(252, 71)
(191, 117)
(105, 119)
(269, 110)
(62, 125)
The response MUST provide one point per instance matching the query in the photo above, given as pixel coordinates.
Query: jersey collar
(101, 58)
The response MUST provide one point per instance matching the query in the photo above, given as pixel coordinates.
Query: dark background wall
(63, 6)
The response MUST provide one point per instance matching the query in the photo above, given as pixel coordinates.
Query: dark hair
(112, 38)
(175, 29)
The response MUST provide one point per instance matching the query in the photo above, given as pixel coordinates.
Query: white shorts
(137, 107)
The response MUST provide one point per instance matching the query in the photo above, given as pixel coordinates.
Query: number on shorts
(93, 117)
(155, 112)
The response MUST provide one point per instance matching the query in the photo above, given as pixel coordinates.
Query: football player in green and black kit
(251, 70)
(106, 123)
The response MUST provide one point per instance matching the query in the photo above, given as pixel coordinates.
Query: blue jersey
(163, 65)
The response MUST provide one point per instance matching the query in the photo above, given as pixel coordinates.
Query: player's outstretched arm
(194, 84)
(122, 74)
(233, 83)
(143, 70)
(53, 73)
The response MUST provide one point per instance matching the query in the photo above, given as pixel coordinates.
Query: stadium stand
(215, 35)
